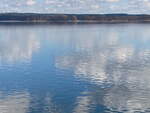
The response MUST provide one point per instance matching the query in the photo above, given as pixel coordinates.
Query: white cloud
(30, 2)
(112, 0)
(76, 6)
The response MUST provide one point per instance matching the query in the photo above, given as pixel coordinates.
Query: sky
(76, 6)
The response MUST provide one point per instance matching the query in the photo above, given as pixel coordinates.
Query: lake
(95, 68)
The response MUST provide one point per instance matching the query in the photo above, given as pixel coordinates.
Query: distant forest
(74, 18)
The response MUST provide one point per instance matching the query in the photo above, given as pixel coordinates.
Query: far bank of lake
(73, 18)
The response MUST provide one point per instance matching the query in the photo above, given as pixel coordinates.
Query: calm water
(75, 68)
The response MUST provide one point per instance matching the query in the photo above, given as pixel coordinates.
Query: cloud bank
(76, 6)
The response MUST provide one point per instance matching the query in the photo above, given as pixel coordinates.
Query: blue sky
(76, 6)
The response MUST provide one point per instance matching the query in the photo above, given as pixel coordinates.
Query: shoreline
(72, 18)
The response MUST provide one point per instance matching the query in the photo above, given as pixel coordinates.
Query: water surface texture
(75, 68)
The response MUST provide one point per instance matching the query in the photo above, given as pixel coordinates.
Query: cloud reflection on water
(14, 103)
(101, 56)
(17, 44)
(114, 59)
(119, 57)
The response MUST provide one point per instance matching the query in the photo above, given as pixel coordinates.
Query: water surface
(75, 68)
